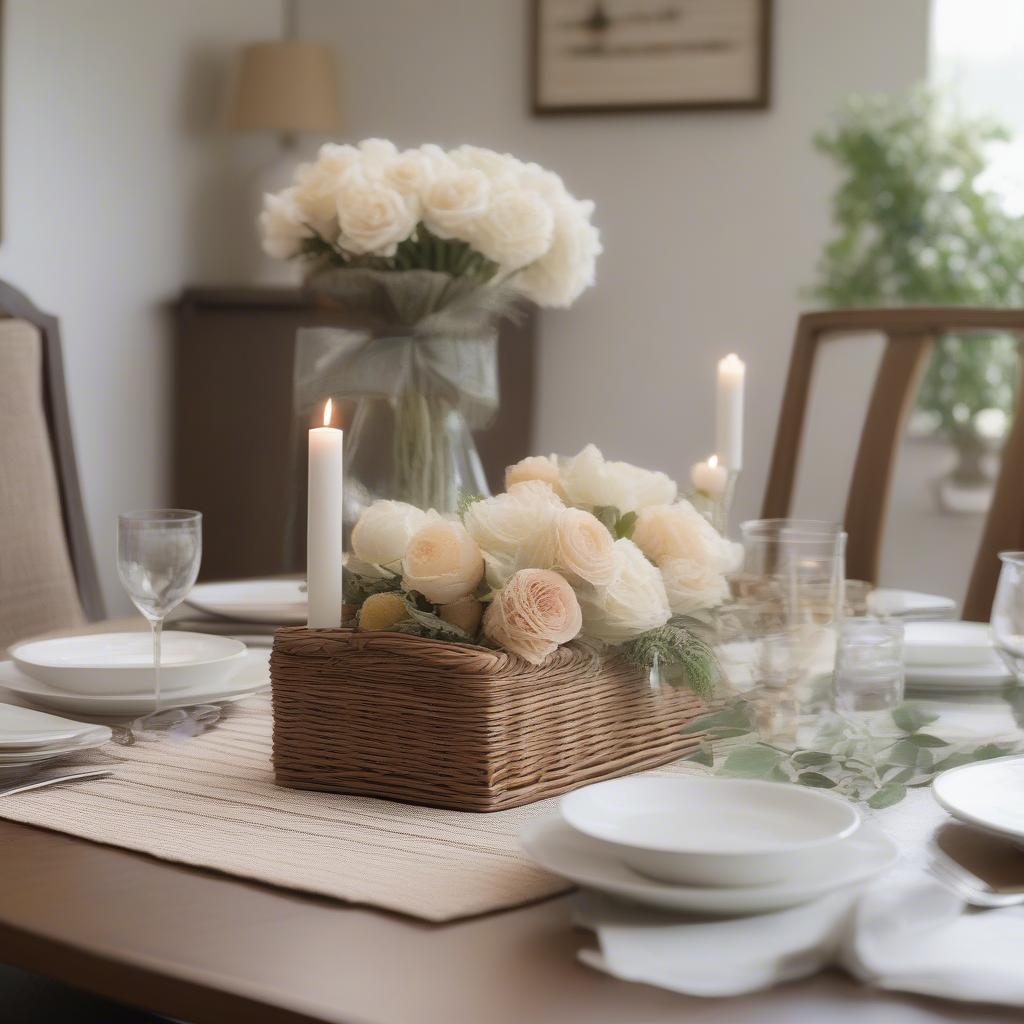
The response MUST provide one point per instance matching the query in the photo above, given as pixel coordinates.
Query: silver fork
(53, 780)
(963, 884)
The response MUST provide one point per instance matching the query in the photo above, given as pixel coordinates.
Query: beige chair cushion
(37, 584)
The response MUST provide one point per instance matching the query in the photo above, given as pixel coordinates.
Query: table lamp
(287, 87)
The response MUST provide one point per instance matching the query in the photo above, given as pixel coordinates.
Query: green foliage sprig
(675, 654)
(846, 756)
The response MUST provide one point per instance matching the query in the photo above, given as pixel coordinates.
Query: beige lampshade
(287, 86)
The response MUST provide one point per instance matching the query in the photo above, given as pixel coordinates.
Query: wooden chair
(909, 337)
(48, 574)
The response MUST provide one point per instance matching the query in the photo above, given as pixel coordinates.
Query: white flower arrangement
(576, 549)
(469, 212)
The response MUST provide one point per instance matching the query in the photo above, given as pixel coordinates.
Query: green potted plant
(914, 226)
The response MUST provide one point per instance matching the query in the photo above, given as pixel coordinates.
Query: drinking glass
(1008, 613)
(158, 556)
(869, 673)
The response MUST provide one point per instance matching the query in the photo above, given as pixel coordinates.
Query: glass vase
(414, 367)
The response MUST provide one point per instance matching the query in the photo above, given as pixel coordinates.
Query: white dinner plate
(958, 677)
(251, 676)
(945, 644)
(122, 663)
(909, 604)
(28, 729)
(701, 831)
(986, 794)
(279, 602)
(558, 848)
(96, 737)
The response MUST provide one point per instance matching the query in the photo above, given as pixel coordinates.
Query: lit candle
(729, 412)
(709, 477)
(323, 524)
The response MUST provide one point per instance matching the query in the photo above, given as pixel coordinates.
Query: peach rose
(536, 467)
(585, 549)
(442, 562)
(464, 614)
(535, 612)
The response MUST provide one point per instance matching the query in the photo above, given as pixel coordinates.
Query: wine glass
(158, 556)
(1008, 613)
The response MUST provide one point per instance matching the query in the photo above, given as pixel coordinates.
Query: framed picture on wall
(602, 56)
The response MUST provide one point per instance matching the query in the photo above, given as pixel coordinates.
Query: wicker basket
(451, 725)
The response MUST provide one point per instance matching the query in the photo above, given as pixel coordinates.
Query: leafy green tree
(914, 228)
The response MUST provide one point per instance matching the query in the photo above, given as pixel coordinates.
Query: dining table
(196, 945)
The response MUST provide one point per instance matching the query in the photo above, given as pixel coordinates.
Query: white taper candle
(729, 412)
(323, 524)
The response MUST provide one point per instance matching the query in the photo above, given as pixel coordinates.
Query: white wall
(118, 189)
(712, 223)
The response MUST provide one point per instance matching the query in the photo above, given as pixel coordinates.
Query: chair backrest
(909, 336)
(48, 575)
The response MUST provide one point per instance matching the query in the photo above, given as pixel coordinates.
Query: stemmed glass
(158, 556)
(1008, 613)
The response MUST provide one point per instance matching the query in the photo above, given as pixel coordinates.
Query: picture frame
(622, 56)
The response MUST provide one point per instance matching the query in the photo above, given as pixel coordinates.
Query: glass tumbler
(869, 674)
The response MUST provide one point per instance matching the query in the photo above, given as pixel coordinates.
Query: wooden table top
(208, 948)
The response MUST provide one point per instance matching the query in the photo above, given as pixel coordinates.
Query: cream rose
(516, 529)
(410, 173)
(373, 217)
(317, 185)
(500, 168)
(537, 467)
(567, 269)
(516, 229)
(592, 482)
(585, 550)
(692, 586)
(634, 602)
(282, 226)
(535, 612)
(665, 532)
(382, 533)
(442, 562)
(455, 201)
(377, 152)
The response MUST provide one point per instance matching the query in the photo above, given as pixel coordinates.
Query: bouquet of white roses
(468, 212)
(576, 549)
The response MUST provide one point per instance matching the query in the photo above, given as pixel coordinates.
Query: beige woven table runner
(211, 802)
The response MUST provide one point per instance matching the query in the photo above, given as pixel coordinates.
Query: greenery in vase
(914, 226)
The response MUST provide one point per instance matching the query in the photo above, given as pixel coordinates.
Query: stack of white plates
(111, 674)
(31, 739)
(709, 846)
(952, 656)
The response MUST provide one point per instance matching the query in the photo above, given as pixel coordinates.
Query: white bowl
(122, 663)
(699, 831)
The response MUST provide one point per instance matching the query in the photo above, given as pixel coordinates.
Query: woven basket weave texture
(452, 725)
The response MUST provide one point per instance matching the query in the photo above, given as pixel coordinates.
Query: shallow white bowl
(721, 832)
(122, 663)
(987, 794)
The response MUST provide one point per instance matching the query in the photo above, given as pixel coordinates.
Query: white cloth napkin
(905, 933)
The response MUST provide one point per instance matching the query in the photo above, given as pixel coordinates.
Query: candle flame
(328, 408)
(713, 461)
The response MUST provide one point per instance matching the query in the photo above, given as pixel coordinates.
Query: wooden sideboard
(233, 420)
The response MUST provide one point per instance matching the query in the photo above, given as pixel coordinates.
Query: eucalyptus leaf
(625, 525)
(911, 717)
(816, 779)
(923, 739)
(702, 755)
(751, 762)
(891, 793)
(812, 757)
